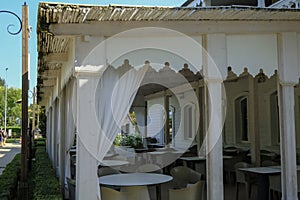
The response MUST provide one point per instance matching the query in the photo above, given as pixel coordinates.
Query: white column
(288, 77)
(215, 65)
(253, 120)
(62, 126)
(53, 134)
(48, 140)
(87, 186)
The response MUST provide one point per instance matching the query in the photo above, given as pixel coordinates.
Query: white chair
(136, 192)
(150, 168)
(191, 192)
(267, 163)
(109, 194)
(183, 176)
(126, 193)
(242, 178)
(104, 170)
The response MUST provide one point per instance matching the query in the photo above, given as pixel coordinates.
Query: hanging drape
(103, 103)
(70, 116)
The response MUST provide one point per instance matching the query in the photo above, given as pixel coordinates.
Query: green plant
(9, 179)
(43, 181)
(132, 140)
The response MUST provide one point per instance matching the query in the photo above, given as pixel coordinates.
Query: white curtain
(103, 105)
(70, 116)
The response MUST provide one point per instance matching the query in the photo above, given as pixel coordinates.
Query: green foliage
(13, 140)
(133, 140)
(16, 130)
(9, 179)
(14, 110)
(43, 182)
(133, 118)
(2, 82)
(43, 120)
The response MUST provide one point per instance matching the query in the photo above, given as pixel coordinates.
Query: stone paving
(7, 153)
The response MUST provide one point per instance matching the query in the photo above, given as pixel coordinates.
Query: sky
(11, 45)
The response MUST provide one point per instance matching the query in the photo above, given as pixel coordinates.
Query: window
(241, 118)
(189, 121)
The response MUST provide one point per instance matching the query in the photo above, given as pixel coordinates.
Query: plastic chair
(150, 168)
(267, 155)
(192, 192)
(267, 163)
(136, 192)
(108, 194)
(72, 187)
(126, 193)
(102, 171)
(241, 178)
(230, 151)
(229, 170)
(183, 176)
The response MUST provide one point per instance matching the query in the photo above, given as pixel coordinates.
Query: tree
(2, 82)
(14, 110)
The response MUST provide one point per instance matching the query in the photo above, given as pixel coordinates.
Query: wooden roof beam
(56, 57)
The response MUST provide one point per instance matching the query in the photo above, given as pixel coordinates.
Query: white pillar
(214, 69)
(87, 185)
(48, 140)
(52, 128)
(253, 120)
(288, 77)
(62, 126)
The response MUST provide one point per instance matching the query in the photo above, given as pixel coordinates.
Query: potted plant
(130, 140)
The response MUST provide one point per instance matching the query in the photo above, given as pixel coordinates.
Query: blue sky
(11, 45)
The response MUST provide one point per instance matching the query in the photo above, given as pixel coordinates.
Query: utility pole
(5, 101)
(33, 110)
(25, 83)
(31, 131)
(38, 116)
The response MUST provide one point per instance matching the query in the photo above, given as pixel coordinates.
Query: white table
(200, 158)
(193, 158)
(262, 178)
(135, 179)
(113, 163)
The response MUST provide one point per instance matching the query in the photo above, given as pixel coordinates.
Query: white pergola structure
(67, 34)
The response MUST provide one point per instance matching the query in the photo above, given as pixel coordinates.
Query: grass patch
(9, 179)
(43, 182)
(13, 140)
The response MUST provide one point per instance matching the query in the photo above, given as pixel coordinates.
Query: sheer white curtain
(103, 105)
(70, 125)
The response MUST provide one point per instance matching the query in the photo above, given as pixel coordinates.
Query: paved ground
(7, 153)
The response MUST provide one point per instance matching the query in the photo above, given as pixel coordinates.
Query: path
(7, 153)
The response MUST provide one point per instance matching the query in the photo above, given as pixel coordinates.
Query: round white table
(113, 163)
(135, 179)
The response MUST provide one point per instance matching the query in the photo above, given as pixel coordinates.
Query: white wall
(252, 51)
(155, 118)
(156, 45)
